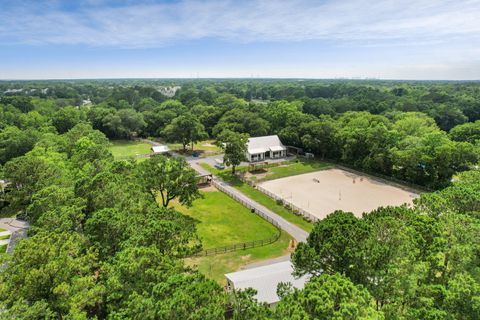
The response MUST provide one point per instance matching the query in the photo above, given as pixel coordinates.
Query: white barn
(266, 147)
(265, 280)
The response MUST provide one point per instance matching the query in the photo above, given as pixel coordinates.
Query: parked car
(219, 164)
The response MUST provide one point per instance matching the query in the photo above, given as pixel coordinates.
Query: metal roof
(265, 280)
(160, 149)
(258, 150)
(277, 148)
(264, 144)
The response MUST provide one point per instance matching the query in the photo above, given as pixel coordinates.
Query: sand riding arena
(322, 192)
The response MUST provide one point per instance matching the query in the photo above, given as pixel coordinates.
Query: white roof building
(266, 147)
(265, 280)
(160, 149)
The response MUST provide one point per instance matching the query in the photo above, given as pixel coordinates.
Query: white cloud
(152, 24)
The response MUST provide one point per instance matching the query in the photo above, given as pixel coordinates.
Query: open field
(290, 168)
(123, 149)
(204, 148)
(323, 192)
(223, 221)
(259, 197)
(214, 267)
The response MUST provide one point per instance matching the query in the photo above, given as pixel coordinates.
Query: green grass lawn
(259, 197)
(295, 168)
(123, 149)
(215, 267)
(223, 221)
(3, 247)
(205, 148)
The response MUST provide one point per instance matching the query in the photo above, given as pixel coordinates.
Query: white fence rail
(289, 205)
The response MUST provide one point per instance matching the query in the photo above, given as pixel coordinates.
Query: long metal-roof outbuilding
(265, 280)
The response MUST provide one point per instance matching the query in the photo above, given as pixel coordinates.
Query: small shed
(265, 280)
(160, 149)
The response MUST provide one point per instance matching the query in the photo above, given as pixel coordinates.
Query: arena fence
(288, 205)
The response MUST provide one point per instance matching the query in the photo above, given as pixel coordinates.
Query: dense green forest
(101, 246)
(420, 132)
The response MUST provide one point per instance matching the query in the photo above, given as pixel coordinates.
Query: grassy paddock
(223, 221)
(215, 267)
(259, 197)
(123, 149)
(205, 147)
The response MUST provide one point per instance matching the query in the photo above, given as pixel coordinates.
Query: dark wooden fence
(242, 245)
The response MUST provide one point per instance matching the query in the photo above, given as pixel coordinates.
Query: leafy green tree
(171, 178)
(31, 173)
(112, 229)
(66, 118)
(22, 103)
(391, 271)
(54, 272)
(463, 297)
(97, 114)
(56, 208)
(185, 129)
(415, 124)
(333, 246)
(277, 113)
(246, 307)
(124, 124)
(34, 119)
(208, 116)
(320, 137)
(467, 132)
(328, 297)
(448, 116)
(143, 283)
(242, 121)
(234, 145)
(15, 142)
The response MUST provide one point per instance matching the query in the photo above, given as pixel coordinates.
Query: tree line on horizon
(421, 133)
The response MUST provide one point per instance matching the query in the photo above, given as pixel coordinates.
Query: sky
(391, 39)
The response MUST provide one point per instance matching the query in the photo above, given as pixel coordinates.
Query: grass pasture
(214, 267)
(259, 197)
(204, 148)
(125, 149)
(223, 221)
